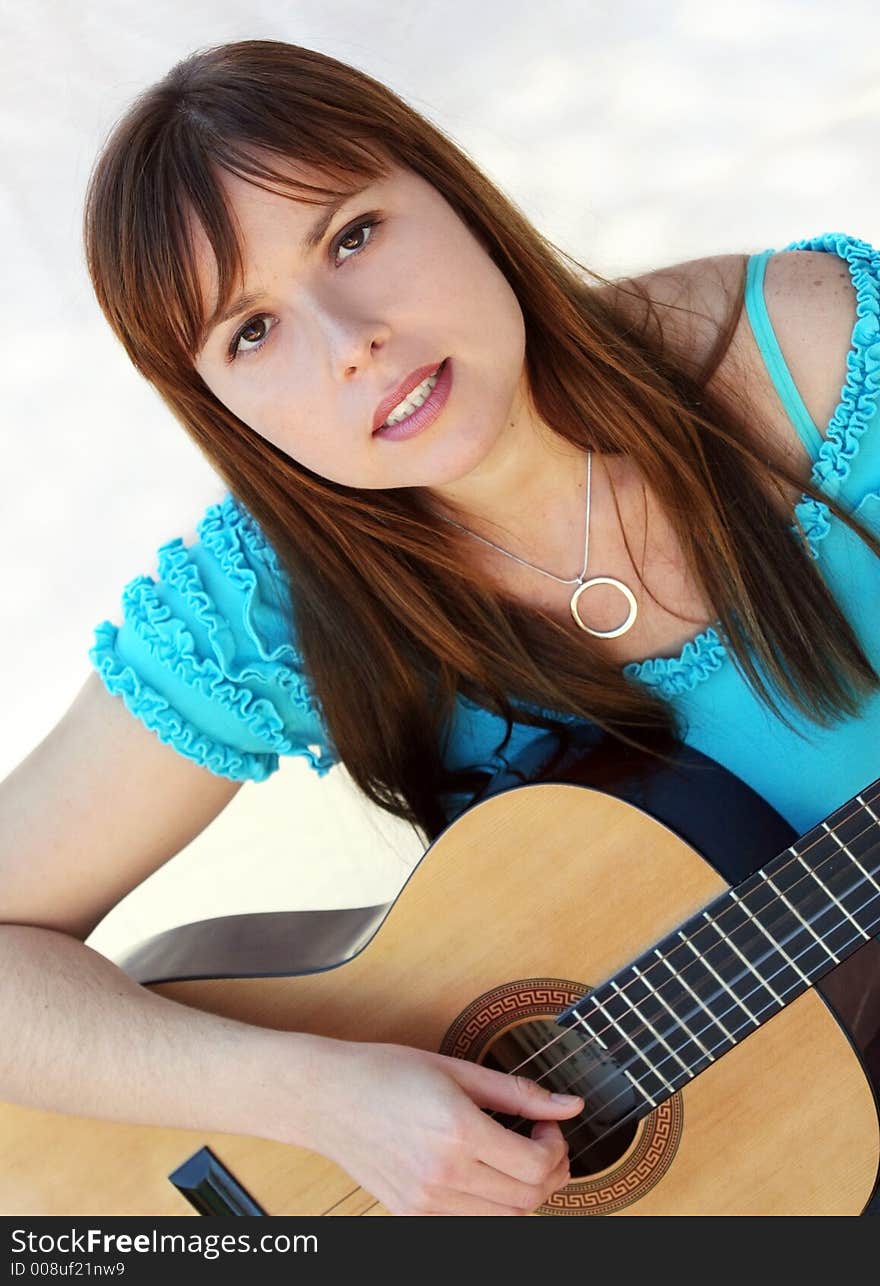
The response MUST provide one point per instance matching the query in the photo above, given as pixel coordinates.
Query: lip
(388, 403)
(423, 415)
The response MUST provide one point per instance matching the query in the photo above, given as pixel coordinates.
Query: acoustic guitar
(649, 934)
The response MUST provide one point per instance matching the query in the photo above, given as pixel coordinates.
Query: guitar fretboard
(690, 998)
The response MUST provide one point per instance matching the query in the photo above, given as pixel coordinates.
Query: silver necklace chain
(577, 580)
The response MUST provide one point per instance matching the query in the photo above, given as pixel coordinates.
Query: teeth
(416, 398)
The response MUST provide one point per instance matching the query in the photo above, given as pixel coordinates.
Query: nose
(361, 354)
(353, 339)
(359, 347)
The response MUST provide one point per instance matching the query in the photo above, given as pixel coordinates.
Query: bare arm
(93, 810)
(91, 1042)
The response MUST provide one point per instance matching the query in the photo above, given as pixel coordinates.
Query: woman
(295, 260)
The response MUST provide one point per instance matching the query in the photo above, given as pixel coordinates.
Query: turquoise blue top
(203, 654)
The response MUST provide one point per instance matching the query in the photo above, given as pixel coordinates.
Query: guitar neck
(692, 996)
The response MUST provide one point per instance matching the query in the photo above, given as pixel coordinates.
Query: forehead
(254, 209)
(247, 202)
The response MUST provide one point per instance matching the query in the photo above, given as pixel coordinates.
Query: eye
(356, 232)
(235, 351)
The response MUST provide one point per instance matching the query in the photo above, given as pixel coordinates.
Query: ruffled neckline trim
(701, 656)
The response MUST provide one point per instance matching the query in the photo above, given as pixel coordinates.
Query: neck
(528, 495)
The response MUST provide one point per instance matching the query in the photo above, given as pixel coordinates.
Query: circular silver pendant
(624, 589)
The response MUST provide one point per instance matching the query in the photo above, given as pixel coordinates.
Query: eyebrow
(313, 238)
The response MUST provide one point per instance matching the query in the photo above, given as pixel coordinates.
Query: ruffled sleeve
(205, 655)
(848, 463)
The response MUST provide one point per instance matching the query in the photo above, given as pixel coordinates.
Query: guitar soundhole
(563, 1062)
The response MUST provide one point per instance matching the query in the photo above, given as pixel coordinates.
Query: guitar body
(531, 898)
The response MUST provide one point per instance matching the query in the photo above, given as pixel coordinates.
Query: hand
(406, 1125)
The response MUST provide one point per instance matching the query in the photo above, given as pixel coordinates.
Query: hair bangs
(211, 207)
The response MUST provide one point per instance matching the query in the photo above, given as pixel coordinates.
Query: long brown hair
(392, 622)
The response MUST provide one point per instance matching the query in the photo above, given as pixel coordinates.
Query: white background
(633, 134)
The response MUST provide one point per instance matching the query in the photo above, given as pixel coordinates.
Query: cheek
(489, 304)
(294, 418)
(496, 324)
(298, 434)
(273, 386)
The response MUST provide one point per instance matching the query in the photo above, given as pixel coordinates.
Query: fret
(665, 1041)
(693, 995)
(800, 954)
(618, 1061)
(857, 836)
(854, 828)
(751, 968)
(713, 977)
(695, 967)
(812, 887)
(870, 807)
(651, 1038)
(652, 994)
(724, 990)
(872, 888)
(855, 822)
(860, 812)
(837, 902)
(805, 924)
(852, 875)
(628, 1053)
(787, 980)
(677, 989)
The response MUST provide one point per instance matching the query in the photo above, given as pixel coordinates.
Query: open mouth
(420, 407)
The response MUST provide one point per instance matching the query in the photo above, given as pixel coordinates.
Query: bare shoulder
(810, 301)
(693, 299)
(811, 304)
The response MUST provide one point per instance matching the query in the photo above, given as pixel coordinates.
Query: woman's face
(333, 329)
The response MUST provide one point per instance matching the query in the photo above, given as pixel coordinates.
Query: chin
(465, 456)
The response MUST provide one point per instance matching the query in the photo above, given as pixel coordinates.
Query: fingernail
(567, 1099)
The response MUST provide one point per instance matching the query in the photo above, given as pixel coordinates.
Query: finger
(560, 1177)
(483, 1181)
(530, 1160)
(547, 1130)
(513, 1095)
(466, 1203)
(551, 1135)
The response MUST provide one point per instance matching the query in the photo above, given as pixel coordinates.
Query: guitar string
(830, 832)
(773, 902)
(345, 1198)
(702, 1002)
(636, 1113)
(622, 1067)
(709, 999)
